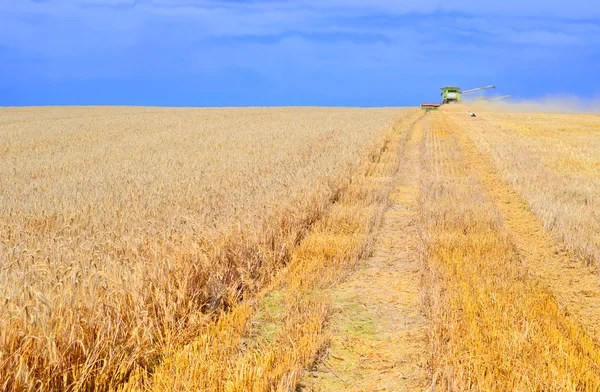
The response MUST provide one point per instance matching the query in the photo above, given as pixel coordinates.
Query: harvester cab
(450, 94)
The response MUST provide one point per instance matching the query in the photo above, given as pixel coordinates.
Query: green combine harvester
(452, 94)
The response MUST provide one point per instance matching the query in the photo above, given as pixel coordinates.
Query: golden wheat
(121, 228)
(553, 161)
(495, 326)
(198, 249)
(264, 344)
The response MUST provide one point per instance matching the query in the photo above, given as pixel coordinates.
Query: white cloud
(90, 31)
(542, 37)
(531, 8)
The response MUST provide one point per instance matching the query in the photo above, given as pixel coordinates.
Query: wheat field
(228, 249)
(122, 228)
(511, 307)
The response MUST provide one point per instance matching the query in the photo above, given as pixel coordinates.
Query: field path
(379, 331)
(575, 285)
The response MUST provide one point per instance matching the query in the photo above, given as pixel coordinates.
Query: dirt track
(379, 331)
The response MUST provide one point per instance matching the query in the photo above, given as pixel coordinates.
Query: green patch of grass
(359, 322)
(267, 319)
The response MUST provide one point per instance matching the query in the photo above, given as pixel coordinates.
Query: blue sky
(278, 52)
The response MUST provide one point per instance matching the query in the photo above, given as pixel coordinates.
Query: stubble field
(239, 249)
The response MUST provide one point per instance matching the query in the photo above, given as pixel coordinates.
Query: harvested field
(286, 249)
(496, 322)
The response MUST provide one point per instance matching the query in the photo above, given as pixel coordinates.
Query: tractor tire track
(379, 334)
